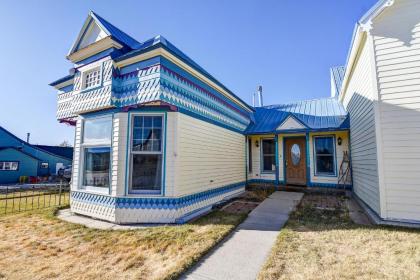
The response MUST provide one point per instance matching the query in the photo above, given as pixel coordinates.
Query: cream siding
(359, 101)
(396, 34)
(208, 156)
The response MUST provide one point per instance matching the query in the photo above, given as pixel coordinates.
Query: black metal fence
(27, 197)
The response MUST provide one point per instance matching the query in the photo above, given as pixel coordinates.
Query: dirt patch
(240, 207)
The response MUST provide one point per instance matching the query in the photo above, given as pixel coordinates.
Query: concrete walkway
(68, 216)
(243, 253)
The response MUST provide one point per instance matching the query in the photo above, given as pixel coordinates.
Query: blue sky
(287, 46)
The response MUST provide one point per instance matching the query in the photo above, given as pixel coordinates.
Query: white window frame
(97, 144)
(89, 71)
(262, 156)
(3, 165)
(131, 153)
(325, 174)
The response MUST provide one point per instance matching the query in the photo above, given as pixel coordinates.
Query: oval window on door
(295, 152)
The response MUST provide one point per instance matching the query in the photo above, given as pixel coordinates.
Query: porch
(319, 159)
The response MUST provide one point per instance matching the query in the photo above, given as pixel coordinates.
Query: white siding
(359, 100)
(76, 155)
(208, 156)
(396, 35)
(119, 153)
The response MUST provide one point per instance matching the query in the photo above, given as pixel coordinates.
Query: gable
(290, 123)
(92, 34)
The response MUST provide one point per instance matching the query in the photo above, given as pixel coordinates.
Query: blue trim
(327, 185)
(153, 202)
(262, 181)
(292, 131)
(316, 174)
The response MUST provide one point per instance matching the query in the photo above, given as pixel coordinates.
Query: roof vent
(257, 98)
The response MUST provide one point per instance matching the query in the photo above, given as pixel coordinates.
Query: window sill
(95, 190)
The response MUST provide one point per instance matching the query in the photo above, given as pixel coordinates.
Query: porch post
(276, 138)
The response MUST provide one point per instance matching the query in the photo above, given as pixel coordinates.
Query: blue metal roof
(337, 74)
(317, 115)
(115, 32)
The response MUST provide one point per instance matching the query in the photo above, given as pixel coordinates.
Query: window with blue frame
(147, 154)
(9, 165)
(268, 147)
(96, 145)
(324, 155)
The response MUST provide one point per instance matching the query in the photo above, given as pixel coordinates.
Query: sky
(287, 46)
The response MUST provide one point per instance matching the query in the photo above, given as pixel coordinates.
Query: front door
(295, 161)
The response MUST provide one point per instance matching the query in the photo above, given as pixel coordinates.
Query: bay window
(146, 154)
(268, 147)
(324, 147)
(96, 147)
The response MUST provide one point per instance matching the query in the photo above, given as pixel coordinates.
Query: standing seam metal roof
(316, 114)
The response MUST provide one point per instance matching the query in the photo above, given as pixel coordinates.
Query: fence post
(59, 192)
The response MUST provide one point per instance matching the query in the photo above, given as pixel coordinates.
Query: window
(268, 155)
(324, 155)
(146, 154)
(250, 155)
(92, 78)
(96, 167)
(9, 165)
(44, 165)
(97, 130)
(96, 146)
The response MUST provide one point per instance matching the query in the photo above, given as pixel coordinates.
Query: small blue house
(19, 158)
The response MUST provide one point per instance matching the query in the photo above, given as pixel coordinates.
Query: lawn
(325, 244)
(36, 245)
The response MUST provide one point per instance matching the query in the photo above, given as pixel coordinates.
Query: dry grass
(28, 201)
(325, 244)
(36, 245)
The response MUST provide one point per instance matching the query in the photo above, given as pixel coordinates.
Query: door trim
(285, 138)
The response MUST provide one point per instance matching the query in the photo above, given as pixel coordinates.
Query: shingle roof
(316, 114)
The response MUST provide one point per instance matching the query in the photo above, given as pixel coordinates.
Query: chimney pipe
(28, 135)
(260, 96)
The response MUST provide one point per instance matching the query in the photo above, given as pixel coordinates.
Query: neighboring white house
(158, 139)
(381, 92)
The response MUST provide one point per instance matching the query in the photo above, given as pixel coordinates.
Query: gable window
(146, 154)
(9, 165)
(268, 155)
(324, 155)
(92, 78)
(44, 165)
(96, 147)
